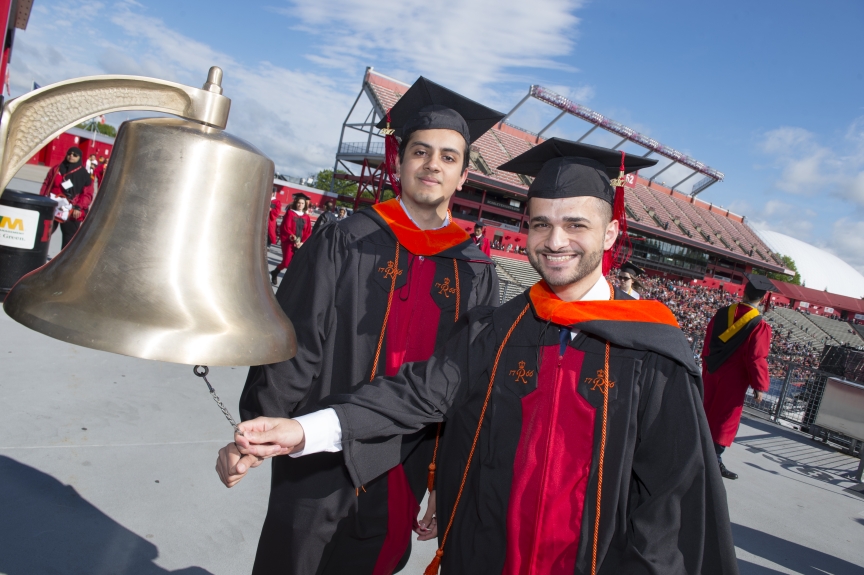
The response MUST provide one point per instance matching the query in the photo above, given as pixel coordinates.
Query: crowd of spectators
(509, 248)
(694, 306)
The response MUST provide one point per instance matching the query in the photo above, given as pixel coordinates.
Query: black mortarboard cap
(429, 106)
(632, 269)
(757, 286)
(301, 195)
(565, 169)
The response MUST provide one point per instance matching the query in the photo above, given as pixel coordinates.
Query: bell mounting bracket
(30, 121)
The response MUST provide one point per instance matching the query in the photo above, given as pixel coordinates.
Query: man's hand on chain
(232, 466)
(267, 437)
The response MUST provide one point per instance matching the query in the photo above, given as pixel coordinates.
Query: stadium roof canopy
(820, 270)
(651, 208)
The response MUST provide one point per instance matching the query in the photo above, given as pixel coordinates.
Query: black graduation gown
(337, 305)
(664, 506)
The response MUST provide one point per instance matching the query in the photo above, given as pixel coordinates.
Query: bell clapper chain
(203, 375)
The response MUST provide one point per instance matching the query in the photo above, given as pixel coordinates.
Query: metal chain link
(203, 375)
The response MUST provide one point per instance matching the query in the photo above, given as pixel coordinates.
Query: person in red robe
(275, 210)
(99, 171)
(70, 180)
(734, 358)
(295, 230)
(481, 241)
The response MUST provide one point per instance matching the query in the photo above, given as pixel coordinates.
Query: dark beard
(588, 262)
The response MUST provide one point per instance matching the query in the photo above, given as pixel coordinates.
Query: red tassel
(436, 563)
(615, 256)
(391, 155)
(430, 479)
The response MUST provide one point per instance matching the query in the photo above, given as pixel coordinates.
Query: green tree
(789, 263)
(94, 126)
(324, 178)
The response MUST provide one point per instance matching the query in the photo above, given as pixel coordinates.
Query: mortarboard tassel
(391, 154)
(617, 254)
(432, 569)
(430, 478)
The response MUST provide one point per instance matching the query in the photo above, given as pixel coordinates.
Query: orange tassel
(436, 563)
(430, 479)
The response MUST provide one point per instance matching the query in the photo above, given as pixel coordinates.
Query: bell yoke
(148, 275)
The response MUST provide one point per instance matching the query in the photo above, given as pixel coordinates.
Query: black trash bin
(25, 232)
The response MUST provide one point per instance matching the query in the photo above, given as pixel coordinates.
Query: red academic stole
(419, 242)
(550, 307)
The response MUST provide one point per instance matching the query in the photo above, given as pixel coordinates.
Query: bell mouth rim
(167, 352)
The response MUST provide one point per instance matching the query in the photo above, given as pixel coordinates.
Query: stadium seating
(798, 326)
(516, 271)
(675, 213)
(839, 330)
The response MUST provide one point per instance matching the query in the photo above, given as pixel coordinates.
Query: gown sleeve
(420, 393)
(757, 357)
(488, 291)
(83, 200)
(678, 520)
(307, 299)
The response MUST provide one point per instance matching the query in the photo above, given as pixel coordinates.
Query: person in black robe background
(576, 440)
(375, 291)
(327, 216)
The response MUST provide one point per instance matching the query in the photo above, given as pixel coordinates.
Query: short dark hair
(404, 144)
(752, 295)
(605, 210)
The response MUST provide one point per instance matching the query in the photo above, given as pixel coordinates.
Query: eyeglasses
(624, 278)
(73, 154)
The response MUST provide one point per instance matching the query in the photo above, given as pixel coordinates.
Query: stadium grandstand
(696, 254)
(674, 234)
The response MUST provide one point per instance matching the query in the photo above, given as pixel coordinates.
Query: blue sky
(768, 92)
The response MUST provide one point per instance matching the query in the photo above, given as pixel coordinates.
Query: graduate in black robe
(373, 291)
(576, 441)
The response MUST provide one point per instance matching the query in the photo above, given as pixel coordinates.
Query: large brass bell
(170, 263)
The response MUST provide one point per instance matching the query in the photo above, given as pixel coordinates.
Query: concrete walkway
(106, 467)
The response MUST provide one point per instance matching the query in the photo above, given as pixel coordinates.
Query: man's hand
(231, 465)
(427, 528)
(266, 437)
(76, 214)
(757, 395)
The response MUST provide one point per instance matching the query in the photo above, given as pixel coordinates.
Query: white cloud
(295, 127)
(292, 115)
(810, 168)
(847, 242)
(470, 44)
(780, 216)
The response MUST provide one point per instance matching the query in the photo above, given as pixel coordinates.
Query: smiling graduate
(577, 442)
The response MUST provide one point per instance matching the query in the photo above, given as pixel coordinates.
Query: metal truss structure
(598, 120)
(368, 155)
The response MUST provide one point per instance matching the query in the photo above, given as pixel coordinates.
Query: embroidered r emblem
(522, 373)
(445, 288)
(391, 271)
(600, 383)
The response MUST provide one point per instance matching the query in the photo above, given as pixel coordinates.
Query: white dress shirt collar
(407, 213)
